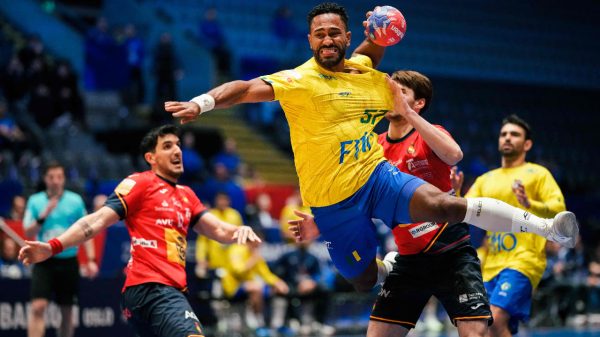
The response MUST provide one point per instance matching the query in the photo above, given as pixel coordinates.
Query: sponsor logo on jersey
(423, 229)
(125, 186)
(164, 190)
(191, 314)
(411, 149)
(164, 222)
(144, 243)
(414, 165)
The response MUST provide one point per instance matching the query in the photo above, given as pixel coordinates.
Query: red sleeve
(128, 195)
(198, 207)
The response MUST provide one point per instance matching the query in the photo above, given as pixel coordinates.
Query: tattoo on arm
(87, 229)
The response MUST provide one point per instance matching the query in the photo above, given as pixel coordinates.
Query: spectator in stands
(17, 211)
(221, 181)
(593, 283)
(229, 156)
(262, 219)
(11, 136)
(166, 72)
(301, 270)
(212, 36)
(34, 50)
(192, 160)
(247, 276)
(286, 34)
(98, 43)
(42, 105)
(65, 89)
(15, 82)
(210, 254)
(135, 59)
(10, 267)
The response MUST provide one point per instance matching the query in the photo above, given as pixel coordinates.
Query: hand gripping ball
(386, 26)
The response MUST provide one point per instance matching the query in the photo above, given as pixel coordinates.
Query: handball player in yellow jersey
(515, 262)
(332, 105)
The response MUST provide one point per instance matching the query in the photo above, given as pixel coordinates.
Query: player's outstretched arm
(223, 96)
(80, 231)
(368, 48)
(440, 142)
(210, 226)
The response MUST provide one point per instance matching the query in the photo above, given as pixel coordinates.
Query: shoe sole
(567, 227)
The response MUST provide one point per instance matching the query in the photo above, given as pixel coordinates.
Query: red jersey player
(157, 212)
(434, 259)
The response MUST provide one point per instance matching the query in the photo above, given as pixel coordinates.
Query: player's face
(55, 181)
(329, 40)
(512, 142)
(167, 157)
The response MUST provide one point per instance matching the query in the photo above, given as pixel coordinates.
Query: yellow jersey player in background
(515, 262)
(332, 105)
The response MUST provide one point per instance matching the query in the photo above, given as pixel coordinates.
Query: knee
(365, 282)
(38, 308)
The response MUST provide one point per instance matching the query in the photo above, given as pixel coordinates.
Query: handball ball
(386, 26)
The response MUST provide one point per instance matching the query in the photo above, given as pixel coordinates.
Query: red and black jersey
(413, 156)
(157, 214)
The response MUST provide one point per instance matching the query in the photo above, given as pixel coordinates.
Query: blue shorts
(158, 310)
(347, 227)
(511, 291)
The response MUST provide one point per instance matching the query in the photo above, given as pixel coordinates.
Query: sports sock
(497, 216)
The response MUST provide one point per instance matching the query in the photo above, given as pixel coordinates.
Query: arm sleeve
(285, 83)
(362, 60)
(549, 199)
(127, 195)
(30, 214)
(263, 270)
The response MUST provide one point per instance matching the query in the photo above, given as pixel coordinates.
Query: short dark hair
(419, 83)
(150, 140)
(52, 164)
(328, 7)
(514, 119)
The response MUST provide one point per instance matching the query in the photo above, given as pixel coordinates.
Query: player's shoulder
(490, 174)
(37, 197)
(536, 169)
(72, 196)
(135, 180)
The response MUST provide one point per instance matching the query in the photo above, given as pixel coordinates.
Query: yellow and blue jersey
(523, 252)
(331, 117)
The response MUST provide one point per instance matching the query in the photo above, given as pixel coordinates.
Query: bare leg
(367, 279)
(381, 329)
(472, 328)
(500, 326)
(66, 325)
(36, 325)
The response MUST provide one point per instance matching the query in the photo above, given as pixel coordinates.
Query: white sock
(497, 216)
(383, 270)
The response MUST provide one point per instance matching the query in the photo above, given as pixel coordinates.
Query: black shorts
(159, 310)
(453, 277)
(56, 276)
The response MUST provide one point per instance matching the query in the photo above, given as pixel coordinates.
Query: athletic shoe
(563, 229)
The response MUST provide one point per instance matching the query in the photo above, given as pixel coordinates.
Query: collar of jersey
(399, 140)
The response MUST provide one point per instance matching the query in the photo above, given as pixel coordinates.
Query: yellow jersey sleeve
(331, 117)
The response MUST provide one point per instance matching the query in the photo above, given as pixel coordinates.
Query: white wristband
(205, 101)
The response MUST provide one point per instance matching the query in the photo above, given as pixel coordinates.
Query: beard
(329, 63)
